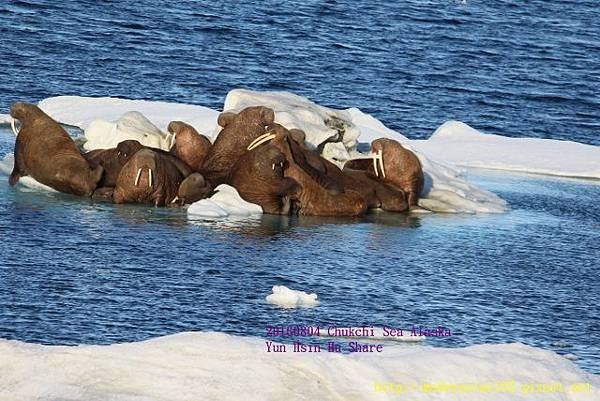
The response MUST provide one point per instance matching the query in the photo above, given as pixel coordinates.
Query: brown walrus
(113, 160)
(44, 151)
(190, 146)
(393, 165)
(152, 177)
(258, 177)
(239, 130)
(313, 198)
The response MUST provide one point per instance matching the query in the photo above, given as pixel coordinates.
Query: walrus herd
(265, 162)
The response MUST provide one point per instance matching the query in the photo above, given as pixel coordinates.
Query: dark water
(508, 67)
(76, 272)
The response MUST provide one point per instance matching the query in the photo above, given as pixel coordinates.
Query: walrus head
(128, 148)
(22, 111)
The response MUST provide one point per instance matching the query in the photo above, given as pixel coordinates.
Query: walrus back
(51, 157)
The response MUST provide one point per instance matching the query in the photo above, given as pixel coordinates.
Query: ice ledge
(224, 367)
(458, 144)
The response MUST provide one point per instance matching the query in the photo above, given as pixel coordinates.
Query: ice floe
(445, 190)
(81, 111)
(457, 143)
(225, 202)
(217, 366)
(103, 134)
(288, 298)
(452, 147)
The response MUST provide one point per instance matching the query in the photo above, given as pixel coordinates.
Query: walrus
(315, 175)
(258, 178)
(113, 160)
(190, 146)
(193, 188)
(239, 131)
(394, 165)
(46, 152)
(152, 177)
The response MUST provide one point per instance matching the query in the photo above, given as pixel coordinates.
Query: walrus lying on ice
(44, 151)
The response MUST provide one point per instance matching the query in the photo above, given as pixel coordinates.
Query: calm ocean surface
(72, 271)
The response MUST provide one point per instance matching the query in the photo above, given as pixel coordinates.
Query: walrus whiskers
(137, 177)
(260, 140)
(150, 178)
(13, 125)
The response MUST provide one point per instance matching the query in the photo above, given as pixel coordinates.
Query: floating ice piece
(457, 143)
(81, 111)
(288, 298)
(320, 123)
(5, 119)
(225, 202)
(217, 366)
(6, 167)
(102, 134)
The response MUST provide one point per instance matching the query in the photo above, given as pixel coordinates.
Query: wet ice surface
(73, 271)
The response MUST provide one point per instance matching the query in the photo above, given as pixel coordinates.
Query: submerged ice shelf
(213, 365)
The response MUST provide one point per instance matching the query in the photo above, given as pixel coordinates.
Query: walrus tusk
(137, 177)
(13, 125)
(260, 140)
(150, 178)
(175, 199)
(380, 157)
(273, 166)
(171, 139)
(375, 165)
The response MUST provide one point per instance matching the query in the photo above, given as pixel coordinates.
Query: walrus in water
(44, 151)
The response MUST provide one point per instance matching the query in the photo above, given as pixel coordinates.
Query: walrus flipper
(19, 168)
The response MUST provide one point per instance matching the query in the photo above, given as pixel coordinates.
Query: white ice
(285, 297)
(217, 366)
(293, 111)
(225, 202)
(81, 111)
(102, 134)
(457, 143)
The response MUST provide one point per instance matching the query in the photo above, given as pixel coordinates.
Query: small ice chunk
(225, 202)
(288, 298)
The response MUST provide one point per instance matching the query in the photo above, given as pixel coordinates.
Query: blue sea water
(73, 271)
